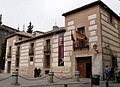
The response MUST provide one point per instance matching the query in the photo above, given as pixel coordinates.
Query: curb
(53, 84)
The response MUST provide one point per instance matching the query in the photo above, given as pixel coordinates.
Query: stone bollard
(15, 78)
(107, 83)
(77, 76)
(51, 74)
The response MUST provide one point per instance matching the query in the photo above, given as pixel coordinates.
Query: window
(9, 52)
(18, 51)
(31, 59)
(47, 61)
(32, 45)
(48, 44)
(20, 38)
(111, 18)
(81, 30)
(31, 50)
(17, 62)
(82, 40)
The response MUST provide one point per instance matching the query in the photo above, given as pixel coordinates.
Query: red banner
(61, 49)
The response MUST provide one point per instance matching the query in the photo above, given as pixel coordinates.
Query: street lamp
(95, 48)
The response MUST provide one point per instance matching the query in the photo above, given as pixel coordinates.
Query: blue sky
(43, 13)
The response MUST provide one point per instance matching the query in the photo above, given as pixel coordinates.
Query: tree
(30, 27)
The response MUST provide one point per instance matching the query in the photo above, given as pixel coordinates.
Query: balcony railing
(31, 52)
(82, 45)
(8, 55)
(17, 54)
(47, 49)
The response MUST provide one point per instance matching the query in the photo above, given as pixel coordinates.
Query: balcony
(31, 52)
(9, 55)
(47, 50)
(82, 45)
(17, 54)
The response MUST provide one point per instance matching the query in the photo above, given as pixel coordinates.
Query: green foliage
(30, 28)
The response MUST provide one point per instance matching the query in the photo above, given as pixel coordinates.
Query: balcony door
(47, 62)
(9, 67)
(47, 55)
(48, 44)
(17, 57)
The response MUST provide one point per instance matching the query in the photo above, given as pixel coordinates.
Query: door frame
(81, 65)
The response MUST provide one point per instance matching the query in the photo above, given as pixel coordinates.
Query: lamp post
(95, 48)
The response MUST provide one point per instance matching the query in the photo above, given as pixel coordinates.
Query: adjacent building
(89, 41)
(5, 31)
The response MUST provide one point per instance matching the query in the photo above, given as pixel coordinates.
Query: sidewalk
(44, 82)
(38, 82)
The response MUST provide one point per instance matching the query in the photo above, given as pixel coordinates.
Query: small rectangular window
(20, 38)
(111, 18)
(31, 59)
(81, 30)
(31, 50)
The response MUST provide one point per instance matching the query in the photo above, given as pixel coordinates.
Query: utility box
(96, 79)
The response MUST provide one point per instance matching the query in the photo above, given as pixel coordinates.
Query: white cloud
(42, 13)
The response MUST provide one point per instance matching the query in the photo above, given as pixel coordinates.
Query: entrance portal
(88, 70)
(84, 66)
(9, 67)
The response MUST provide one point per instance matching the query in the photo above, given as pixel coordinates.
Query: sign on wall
(61, 50)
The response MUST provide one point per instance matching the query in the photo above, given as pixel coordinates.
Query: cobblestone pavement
(6, 80)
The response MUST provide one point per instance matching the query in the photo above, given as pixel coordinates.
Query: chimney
(55, 27)
(0, 19)
(23, 28)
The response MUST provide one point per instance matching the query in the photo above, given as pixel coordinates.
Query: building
(13, 52)
(89, 42)
(102, 26)
(5, 31)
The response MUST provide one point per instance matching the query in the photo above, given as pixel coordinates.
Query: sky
(43, 14)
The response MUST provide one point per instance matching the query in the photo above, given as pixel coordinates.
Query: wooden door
(9, 67)
(84, 66)
(81, 67)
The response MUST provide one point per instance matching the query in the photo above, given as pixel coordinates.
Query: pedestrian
(111, 72)
(117, 74)
(35, 72)
(106, 71)
(39, 72)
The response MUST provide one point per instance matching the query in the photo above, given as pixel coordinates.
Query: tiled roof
(21, 34)
(7, 28)
(24, 34)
